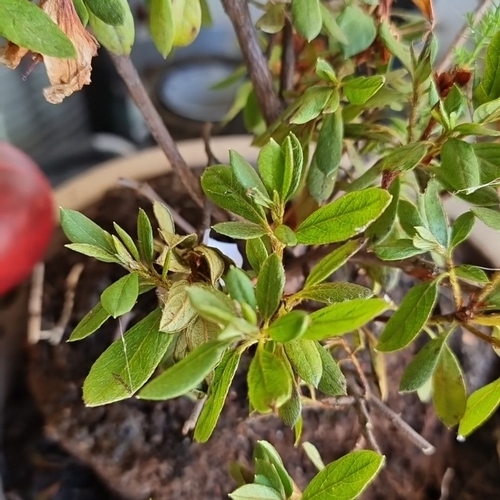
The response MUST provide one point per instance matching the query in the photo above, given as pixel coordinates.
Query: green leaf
(329, 149)
(145, 237)
(472, 273)
(409, 217)
(397, 250)
(459, 164)
(481, 404)
(245, 174)
(488, 154)
(320, 186)
(111, 12)
(240, 287)
(346, 478)
(487, 112)
(409, 319)
(461, 229)
(489, 216)
(271, 163)
(359, 90)
(161, 25)
(82, 11)
(344, 218)
(128, 241)
(241, 230)
(255, 492)
(434, 215)
(333, 261)
(256, 253)
(405, 158)
(343, 317)
(305, 360)
(330, 293)
(330, 25)
(93, 251)
(185, 375)
(125, 366)
(288, 327)
(80, 229)
(221, 186)
(90, 323)
(359, 30)
(325, 71)
(178, 310)
(120, 297)
(395, 47)
(449, 393)
(265, 451)
(333, 382)
(267, 475)
(117, 39)
(26, 25)
(273, 20)
(285, 235)
(292, 172)
(270, 286)
(269, 382)
(163, 217)
(187, 21)
(306, 15)
(422, 366)
(313, 455)
(217, 394)
(291, 411)
(211, 304)
(311, 104)
(489, 87)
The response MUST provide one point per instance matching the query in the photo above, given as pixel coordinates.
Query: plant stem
(455, 285)
(159, 131)
(259, 73)
(495, 281)
(287, 60)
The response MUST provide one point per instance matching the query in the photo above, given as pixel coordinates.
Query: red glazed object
(26, 216)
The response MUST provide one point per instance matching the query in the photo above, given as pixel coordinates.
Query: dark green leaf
(343, 317)
(488, 154)
(307, 19)
(305, 360)
(397, 250)
(145, 237)
(489, 216)
(409, 319)
(185, 375)
(359, 30)
(292, 173)
(333, 382)
(481, 404)
(320, 186)
(330, 144)
(121, 296)
(330, 293)
(311, 104)
(256, 252)
(117, 39)
(269, 382)
(161, 25)
(382, 227)
(459, 164)
(127, 363)
(291, 410)
(449, 393)
(422, 366)
(270, 286)
(217, 393)
(461, 229)
(111, 12)
(255, 492)
(405, 158)
(93, 251)
(178, 311)
(346, 478)
(289, 327)
(395, 47)
(240, 287)
(409, 218)
(489, 87)
(267, 475)
(433, 213)
(241, 230)
(91, 322)
(360, 89)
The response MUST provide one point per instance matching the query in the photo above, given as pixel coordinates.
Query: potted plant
(362, 136)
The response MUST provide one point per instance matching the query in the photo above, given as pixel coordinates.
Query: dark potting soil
(137, 450)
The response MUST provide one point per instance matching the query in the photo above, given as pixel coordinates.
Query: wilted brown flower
(65, 75)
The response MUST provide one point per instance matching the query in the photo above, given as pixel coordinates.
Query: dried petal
(68, 75)
(11, 55)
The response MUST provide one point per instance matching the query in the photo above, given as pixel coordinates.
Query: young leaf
(161, 25)
(409, 319)
(325, 71)
(449, 393)
(472, 273)
(145, 237)
(329, 293)
(217, 393)
(333, 261)
(241, 230)
(489, 88)
(422, 366)
(270, 286)
(80, 229)
(460, 165)
(111, 12)
(343, 317)
(481, 404)
(305, 360)
(267, 475)
(163, 217)
(95, 252)
(126, 365)
(185, 375)
(271, 163)
(245, 174)
(313, 455)
(405, 158)
(211, 304)
(121, 296)
(82, 12)
(256, 252)
(311, 104)
(344, 218)
(128, 241)
(397, 250)
(433, 213)
(489, 216)
(269, 382)
(307, 19)
(266, 451)
(91, 322)
(359, 90)
(289, 327)
(273, 20)
(395, 47)
(359, 30)
(333, 382)
(461, 229)
(178, 310)
(346, 478)
(187, 24)
(329, 149)
(285, 235)
(292, 173)
(255, 492)
(240, 287)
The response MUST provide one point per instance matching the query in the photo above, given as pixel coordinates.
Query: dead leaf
(11, 55)
(426, 8)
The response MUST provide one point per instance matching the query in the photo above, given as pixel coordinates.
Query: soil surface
(137, 450)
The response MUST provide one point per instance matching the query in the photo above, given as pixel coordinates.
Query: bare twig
(144, 189)
(287, 60)
(35, 304)
(127, 71)
(367, 425)
(448, 477)
(259, 73)
(206, 135)
(190, 423)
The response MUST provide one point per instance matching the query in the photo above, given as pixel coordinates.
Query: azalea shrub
(368, 140)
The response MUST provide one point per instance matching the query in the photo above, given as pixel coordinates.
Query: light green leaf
(178, 311)
(270, 286)
(487, 112)
(306, 15)
(288, 327)
(359, 90)
(320, 186)
(269, 382)
(397, 250)
(409, 319)
(91, 322)
(489, 216)
(185, 375)
(311, 103)
(333, 261)
(305, 360)
(241, 230)
(82, 11)
(245, 174)
(344, 218)
(358, 28)
(325, 71)
(343, 317)
(161, 25)
(489, 87)
(313, 455)
(256, 253)
(422, 366)
(163, 217)
(145, 237)
(395, 47)
(433, 213)
(285, 235)
(111, 12)
(128, 241)
(481, 404)
(488, 154)
(266, 451)
(92, 251)
(273, 20)
(405, 158)
(329, 293)
(329, 149)
(267, 475)
(240, 287)
(449, 393)
(333, 382)
(292, 173)
(127, 363)
(330, 25)
(120, 297)
(346, 478)
(472, 273)
(459, 164)
(255, 492)
(187, 21)
(461, 229)
(217, 393)
(271, 163)
(211, 304)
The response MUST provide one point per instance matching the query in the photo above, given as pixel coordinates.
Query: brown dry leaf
(426, 8)
(68, 75)
(11, 55)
